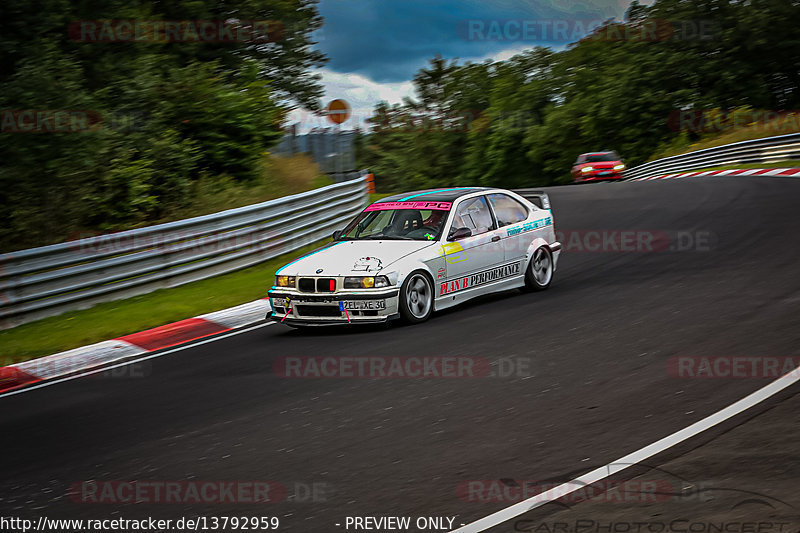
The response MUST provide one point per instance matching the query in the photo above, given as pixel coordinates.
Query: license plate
(603, 173)
(281, 302)
(363, 305)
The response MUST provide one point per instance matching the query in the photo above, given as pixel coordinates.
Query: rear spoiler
(536, 197)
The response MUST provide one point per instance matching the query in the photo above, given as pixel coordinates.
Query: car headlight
(284, 281)
(619, 167)
(365, 282)
(587, 169)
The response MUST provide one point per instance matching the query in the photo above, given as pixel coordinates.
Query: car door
(510, 215)
(469, 257)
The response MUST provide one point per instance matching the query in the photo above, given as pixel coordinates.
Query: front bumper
(324, 308)
(595, 176)
(329, 322)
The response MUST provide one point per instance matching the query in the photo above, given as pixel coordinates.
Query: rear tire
(539, 273)
(416, 298)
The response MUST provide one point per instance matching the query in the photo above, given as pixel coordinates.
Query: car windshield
(383, 222)
(594, 158)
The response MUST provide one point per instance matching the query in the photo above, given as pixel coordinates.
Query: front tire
(539, 273)
(416, 298)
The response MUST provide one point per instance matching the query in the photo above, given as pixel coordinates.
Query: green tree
(615, 89)
(163, 114)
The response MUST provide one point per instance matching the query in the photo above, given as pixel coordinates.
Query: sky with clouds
(376, 46)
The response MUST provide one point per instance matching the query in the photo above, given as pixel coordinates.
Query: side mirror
(337, 234)
(459, 233)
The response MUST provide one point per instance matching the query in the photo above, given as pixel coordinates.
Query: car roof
(434, 195)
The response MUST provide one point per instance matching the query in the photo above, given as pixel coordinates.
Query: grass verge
(282, 176)
(112, 319)
(778, 164)
(375, 196)
(780, 125)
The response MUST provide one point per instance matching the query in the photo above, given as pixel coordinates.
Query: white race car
(410, 254)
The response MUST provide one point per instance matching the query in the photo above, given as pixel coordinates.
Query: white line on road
(632, 458)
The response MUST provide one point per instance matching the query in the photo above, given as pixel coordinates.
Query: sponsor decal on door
(480, 278)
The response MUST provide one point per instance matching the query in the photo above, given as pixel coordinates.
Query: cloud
(363, 94)
(376, 46)
(357, 90)
(389, 40)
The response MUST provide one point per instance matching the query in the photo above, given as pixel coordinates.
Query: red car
(597, 166)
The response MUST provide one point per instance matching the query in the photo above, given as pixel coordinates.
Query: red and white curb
(105, 352)
(783, 172)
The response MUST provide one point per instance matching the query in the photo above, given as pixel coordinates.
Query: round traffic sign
(338, 111)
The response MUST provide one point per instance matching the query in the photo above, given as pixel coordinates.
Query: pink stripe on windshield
(387, 206)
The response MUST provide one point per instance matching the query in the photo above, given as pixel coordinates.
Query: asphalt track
(597, 345)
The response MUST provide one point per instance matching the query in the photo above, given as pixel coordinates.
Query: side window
(507, 210)
(474, 214)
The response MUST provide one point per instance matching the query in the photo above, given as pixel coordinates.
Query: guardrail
(46, 281)
(767, 150)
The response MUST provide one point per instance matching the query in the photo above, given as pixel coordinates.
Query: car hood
(345, 258)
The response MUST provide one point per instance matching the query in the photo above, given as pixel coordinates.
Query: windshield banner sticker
(390, 206)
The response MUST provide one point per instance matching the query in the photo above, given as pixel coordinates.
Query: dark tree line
(521, 122)
(151, 117)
